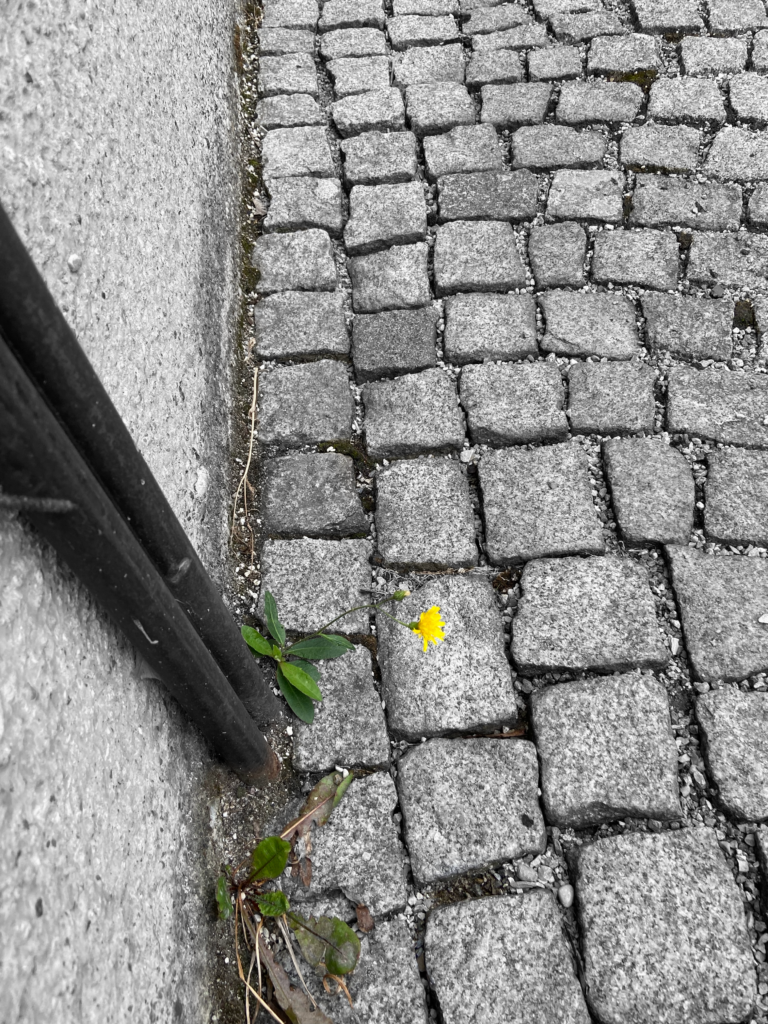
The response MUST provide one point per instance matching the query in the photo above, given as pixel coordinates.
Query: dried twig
(242, 483)
(289, 944)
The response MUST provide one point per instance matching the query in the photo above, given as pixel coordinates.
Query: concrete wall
(118, 165)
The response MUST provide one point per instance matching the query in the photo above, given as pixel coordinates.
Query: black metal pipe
(39, 460)
(44, 344)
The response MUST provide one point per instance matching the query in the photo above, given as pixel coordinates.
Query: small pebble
(565, 895)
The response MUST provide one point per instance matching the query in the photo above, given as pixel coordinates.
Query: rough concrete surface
(117, 128)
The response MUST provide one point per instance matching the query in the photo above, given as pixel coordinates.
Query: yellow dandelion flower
(430, 626)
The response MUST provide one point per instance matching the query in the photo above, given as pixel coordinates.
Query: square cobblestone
(489, 326)
(288, 112)
(397, 341)
(736, 261)
(514, 403)
(671, 948)
(352, 14)
(511, 106)
(549, 146)
(689, 326)
(702, 55)
(464, 684)
(658, 147)
(436, 107)
(642, 257)
(311, 496)
(478, 256)
(616, 628)
(619, 56)
(376, 158)
(296, 204)
(353, 42)
(491, 67)
(693, 100)
(607, 751)
(735, 728)
(289, 74)
(384, 215)
(557, 253)
(349, 727)
(587, 195)
(425, 7)
(760, 51)
(473, 148)
(555, 63)
(424, 515)
(395, 278)
(468, 804)
(652, 491)
(661, 201)
(589, 324)
(413, 415)
(729, 17)
(353, 75)
(275, 42)
(290, 324)
(538, 503)
(313, 581)
(546, 9)
(305, 404)
(298, 261)
(749, 97)
(719, 405)
(668, 17)
(611, 398)
(721, 599)
(494, 195)
(380, 110)
(496, 19)
(423, 64)
(758, 206)
(473, 944)
(736, 509)
(587, 102)
(580, 28)
(362, 824)
(417, 30)
(290, 14)
(522, 37)
(292, 152)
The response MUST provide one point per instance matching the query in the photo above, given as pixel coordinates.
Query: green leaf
(327, 940)
(312, 671)
(256, 641)
(342, 789)
(304, 683)
(298, 702)
(319, 804)
(273, 904)
(320, 648)
(223, 902)
(269, 858)
(273, 623)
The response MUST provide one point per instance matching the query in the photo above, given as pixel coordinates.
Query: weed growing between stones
(297, 677)
(327, 944)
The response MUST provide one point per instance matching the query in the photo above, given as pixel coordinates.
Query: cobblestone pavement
(513, 279)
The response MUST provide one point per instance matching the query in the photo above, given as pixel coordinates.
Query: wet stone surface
(312, 496)
(393, 342)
